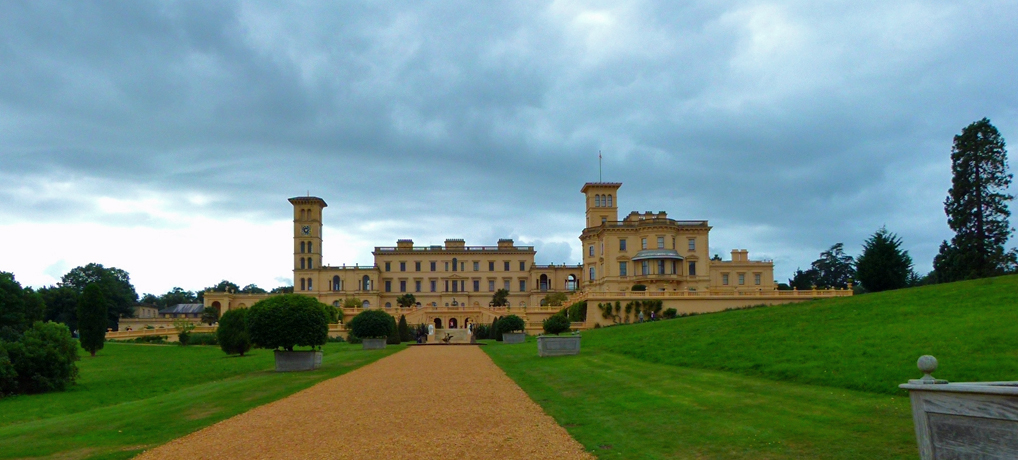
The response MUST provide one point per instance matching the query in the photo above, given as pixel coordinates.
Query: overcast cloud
(164, 137)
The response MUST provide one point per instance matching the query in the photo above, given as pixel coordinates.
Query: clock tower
(307, 235)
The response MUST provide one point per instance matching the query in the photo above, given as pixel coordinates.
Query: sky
(164, 138)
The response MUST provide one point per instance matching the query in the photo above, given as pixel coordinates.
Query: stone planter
(554, 345)
(293, 361)
(514, 337)
(372, 344)
(963, 420)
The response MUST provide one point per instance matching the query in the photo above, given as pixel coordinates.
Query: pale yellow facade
(453, 283)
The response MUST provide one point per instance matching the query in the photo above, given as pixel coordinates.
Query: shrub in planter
(287, 321)
(511, 323)
(371, 324)
(232, 332)
(556, 324)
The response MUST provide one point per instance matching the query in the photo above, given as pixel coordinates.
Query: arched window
(302, 247)
(335, 303)
(303, 287)
(454, 264)
(388, 305)
(335, 283)
(592, 273)
(302, 263)
(366, 283)
(597, 201)
(309, 247)
(365, 304)
(309, 284)
(303, 216)
(309, 263)
(609, 201)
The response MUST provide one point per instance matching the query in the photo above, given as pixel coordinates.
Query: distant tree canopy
(19, 307)
(282, 290)
(834, 269)
(500, 299)
(977, 208)
(115, 285)
(883, 265)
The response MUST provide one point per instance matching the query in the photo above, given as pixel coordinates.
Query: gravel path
(430, 402)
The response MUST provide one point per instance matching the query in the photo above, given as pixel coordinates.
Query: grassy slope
(621, 407)
(138, 396)
(869, 342)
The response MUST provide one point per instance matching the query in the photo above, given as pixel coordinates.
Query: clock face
(305, 230)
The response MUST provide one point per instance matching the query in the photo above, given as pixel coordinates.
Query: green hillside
(868, 342)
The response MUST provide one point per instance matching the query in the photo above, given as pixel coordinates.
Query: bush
(393, 337)
(372, 324)
(482, 331)
(511, 323)
(353, 339)
(670, 313)
(639, 287)
(578, 311)
(556, 324)
(405, 335)
(336, 339)
(287, 321)
(232, 332)
(43, 360)
(160, 339)
(203, 338)
(495, 332)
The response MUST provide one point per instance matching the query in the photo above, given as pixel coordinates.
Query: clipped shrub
(372, 324)
(287, 321)
(556, 324)
(43, 360)
(232, 332)
(203, 338)
(393, 338)
(159, 339)
(670, 313)
(405, 334)
(511, 323)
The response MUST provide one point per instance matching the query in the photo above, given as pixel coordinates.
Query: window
(660, 242)
(303, 263)
(388, 286)
(622, 244)
(645, 265)
(477, 266)
(756, 279)
(447, 266)
(491, 285)
(303, 286)
(388, 305)
(590, 251)
(402, 286)
(675, 268)
(742, 279)
(434, 286)
(387, 266)
(506, 283)
(309, 263)
(597, 201)
(309, 247)
(417, 266)
(417, 286)
(523, 285)
(309, 284)
(724, 279)
(302, 247)
(446, 286)
(337, 284)
(643, 243)
(455, 263)
(692, 244)
(402, 266)
(604, 220)
(523, 266)
(455, 286)
(506, 265)
(432, 265)
(463, 266)
(660, 267)
(491, 266)
(592, 273)
(477, 285)
(692, 269)
(609, 201)
(622, 269)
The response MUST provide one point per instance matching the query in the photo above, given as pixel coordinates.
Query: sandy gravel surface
(432, 402)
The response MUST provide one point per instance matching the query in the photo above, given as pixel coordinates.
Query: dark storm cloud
(804, 124)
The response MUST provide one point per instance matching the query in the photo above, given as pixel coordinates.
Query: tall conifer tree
(883, 265)
(977, 207)
(92, 318)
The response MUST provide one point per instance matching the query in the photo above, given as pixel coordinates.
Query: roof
(612, 185)
(657, 254)
(307, 200)
(179, 308)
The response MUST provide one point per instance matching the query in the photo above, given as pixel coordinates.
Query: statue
(431, 329)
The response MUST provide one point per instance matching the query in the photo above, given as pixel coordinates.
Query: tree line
(977, 211)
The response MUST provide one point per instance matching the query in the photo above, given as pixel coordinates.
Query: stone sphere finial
(927, 364)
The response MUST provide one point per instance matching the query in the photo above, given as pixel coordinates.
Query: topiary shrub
(405, 335)
(371, 324)
(495, 332)
(670, 313)
(511, 323)
(556, 324)
(287, 321)
(393, 338)
(43, 360)
(232, 332)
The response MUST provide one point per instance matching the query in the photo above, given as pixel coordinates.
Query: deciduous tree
(116, 289)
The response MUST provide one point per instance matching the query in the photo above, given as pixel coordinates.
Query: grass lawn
(132, 397)
(621, 407)
(868, 342)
